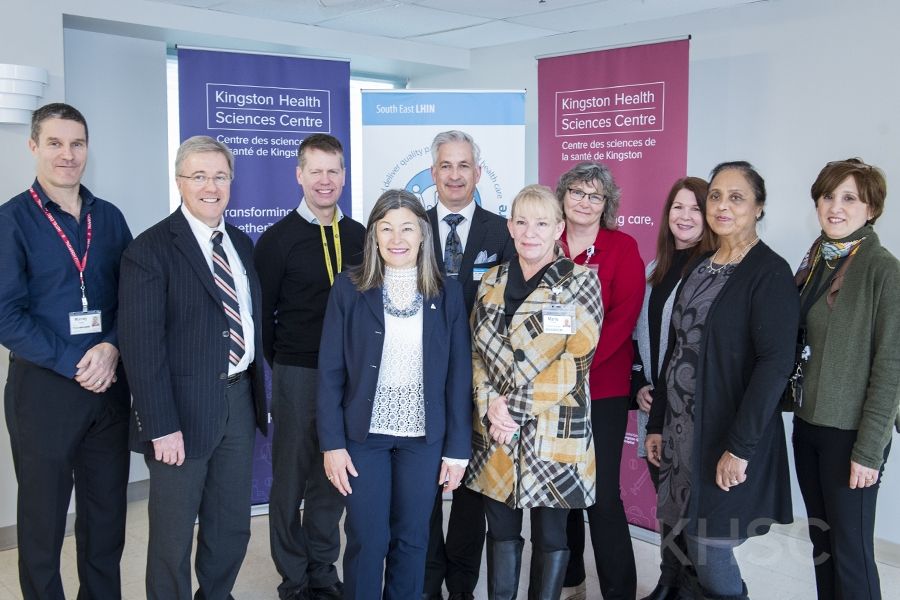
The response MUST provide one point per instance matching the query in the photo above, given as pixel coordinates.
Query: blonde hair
(537, 198)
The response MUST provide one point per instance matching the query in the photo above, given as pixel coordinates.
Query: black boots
(743, 595)
(663, 592)
(504, 563)
(548, 569)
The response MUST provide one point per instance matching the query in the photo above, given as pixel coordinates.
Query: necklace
(737, 258)
(401, 313)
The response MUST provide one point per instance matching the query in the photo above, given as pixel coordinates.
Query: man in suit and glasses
(468, 241)
(190, 336)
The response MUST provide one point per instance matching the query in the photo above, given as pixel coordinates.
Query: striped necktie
(225, 284)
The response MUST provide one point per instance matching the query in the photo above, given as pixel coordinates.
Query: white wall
(127, 164)
(124, 165)
(788, 86)
(30, 39)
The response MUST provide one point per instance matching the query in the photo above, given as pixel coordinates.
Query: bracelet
(743, 460)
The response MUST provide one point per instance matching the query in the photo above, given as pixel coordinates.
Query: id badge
(559, 318)
(88, 321)
(478, 273)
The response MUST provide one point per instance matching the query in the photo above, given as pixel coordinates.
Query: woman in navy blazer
(395, 398)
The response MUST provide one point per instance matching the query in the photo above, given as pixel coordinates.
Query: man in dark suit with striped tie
(468, 240)
(190, 338)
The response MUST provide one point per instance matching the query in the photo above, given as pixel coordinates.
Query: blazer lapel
(474, 241)
(432, 316)
(187, 245)
(436, 237)
(375, 304)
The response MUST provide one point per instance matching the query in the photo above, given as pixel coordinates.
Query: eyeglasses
(853, 163)
(579, 195)
(200, 180)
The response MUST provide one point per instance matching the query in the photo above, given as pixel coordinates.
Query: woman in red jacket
(590, 201)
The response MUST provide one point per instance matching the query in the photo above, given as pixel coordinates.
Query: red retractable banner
(626, 108)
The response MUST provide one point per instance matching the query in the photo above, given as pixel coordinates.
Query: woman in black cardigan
(715, 429)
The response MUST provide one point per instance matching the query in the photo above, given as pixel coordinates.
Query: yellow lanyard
(337, 246)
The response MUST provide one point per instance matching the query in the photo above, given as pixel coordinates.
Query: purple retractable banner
(262, 107)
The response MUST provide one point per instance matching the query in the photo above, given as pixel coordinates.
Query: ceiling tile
(598, 15)
(503, 9)
(310, 12)
(492, 33)
(402, 21)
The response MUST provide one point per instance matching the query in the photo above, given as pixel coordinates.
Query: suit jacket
(488, 233)
(350, 353)
(173, 336)
(545, 379)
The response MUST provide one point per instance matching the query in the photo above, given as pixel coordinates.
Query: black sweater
(290, 261)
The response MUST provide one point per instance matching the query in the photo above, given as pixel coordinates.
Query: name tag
(478, 273)
(88, 321)
(559, 318)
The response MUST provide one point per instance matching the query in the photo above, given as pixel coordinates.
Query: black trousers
(458, 560)
(841, 520)
(63, 435)
(548, 525)
(610, 535)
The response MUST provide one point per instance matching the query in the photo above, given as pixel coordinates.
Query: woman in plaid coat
(535, 323)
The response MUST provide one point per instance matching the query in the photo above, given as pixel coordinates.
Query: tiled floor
(775, 566)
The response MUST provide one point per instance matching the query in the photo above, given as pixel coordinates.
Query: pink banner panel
(626, 108)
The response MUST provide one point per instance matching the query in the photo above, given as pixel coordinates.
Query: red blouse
(615, 258)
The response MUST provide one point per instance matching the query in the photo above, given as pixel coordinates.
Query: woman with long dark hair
(683, 237)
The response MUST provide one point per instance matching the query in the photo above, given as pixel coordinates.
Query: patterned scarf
(831, 250)
(834, 250)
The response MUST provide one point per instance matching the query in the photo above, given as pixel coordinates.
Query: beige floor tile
(776, 566)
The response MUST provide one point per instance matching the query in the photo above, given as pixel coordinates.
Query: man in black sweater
(468, 240)
(297, 260)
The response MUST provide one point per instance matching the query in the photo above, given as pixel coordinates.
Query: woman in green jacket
(844, 416)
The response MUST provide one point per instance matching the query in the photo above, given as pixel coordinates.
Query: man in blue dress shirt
(66, 398)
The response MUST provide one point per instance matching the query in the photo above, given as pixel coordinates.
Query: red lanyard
(79, 264)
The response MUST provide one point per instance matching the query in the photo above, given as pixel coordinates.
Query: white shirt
(399, 404)
(203, 233)
(462, 230)
(308, 215)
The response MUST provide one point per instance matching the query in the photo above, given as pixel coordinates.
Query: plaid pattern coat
(545, 378)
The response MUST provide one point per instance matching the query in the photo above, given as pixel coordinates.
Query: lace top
(399, 404)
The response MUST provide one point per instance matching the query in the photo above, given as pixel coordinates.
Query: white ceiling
(461, 23)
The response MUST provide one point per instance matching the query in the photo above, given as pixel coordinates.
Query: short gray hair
(202, 143)
(454, 135)
(589, 173)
